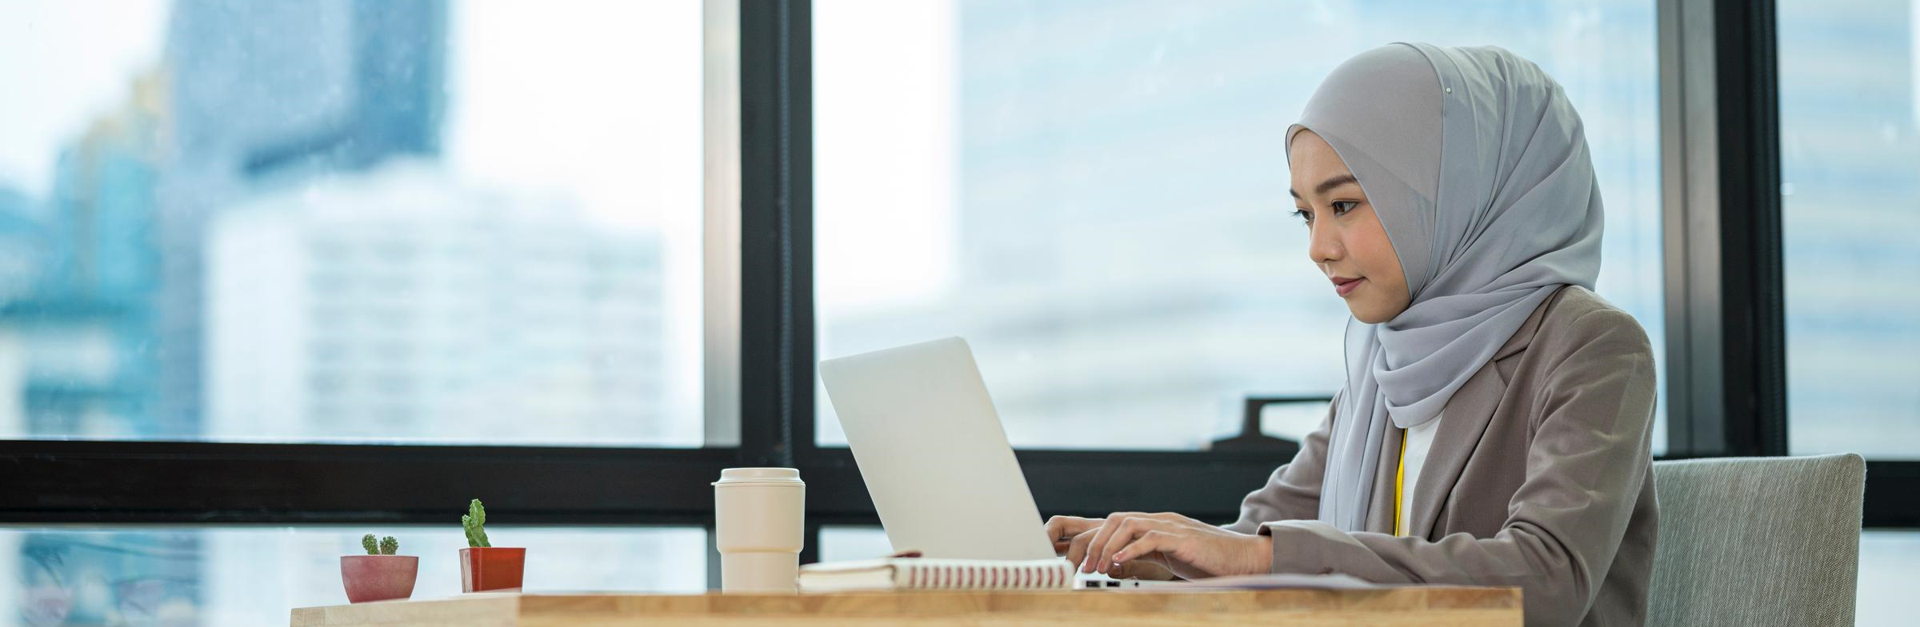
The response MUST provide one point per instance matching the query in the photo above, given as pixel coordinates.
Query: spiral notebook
(917, 573)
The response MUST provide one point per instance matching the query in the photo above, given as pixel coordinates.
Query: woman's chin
(1370, 313)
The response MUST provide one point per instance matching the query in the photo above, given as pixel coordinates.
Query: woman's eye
(1341, 207)
(1303, 215)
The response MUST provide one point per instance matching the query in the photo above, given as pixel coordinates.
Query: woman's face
(1346, 239)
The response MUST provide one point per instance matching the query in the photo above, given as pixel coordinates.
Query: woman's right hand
(1070, 535)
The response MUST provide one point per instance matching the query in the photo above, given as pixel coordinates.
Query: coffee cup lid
(758, 475)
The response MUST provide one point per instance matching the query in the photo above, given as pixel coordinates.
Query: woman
(1495, 423)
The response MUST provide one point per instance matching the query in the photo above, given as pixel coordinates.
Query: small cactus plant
(385, 546)
(475, 524)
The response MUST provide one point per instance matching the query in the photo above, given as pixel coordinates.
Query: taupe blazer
(1539, 476)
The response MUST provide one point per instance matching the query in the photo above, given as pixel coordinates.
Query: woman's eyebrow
(1335, 181)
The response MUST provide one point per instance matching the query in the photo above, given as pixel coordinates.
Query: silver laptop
(935, 458)
(933, 454)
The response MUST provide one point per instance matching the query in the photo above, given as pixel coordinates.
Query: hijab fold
(1478, 169)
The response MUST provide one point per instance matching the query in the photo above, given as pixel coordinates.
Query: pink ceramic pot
(378, 577)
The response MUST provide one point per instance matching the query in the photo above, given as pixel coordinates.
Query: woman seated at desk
(1494, 426)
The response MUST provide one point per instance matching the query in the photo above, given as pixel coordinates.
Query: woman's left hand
(1190, 548)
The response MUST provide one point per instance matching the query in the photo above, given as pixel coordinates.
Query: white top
(1419, 439)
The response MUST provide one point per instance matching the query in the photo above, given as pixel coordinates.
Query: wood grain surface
(1426, 606)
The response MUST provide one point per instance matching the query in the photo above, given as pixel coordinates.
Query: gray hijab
(1477, 167)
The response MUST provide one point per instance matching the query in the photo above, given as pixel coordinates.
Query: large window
(352, 220)
(1850, 186)
(1093, 193)
(229, 230)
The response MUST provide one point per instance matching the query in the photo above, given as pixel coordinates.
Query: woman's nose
(1323, 245)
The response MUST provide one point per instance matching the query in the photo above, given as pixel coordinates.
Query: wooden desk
(1423, 606)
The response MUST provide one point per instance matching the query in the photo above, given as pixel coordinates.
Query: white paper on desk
(1273, 582)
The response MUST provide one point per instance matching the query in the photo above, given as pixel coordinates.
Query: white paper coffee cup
(759, 528)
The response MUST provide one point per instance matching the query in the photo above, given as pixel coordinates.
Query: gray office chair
(1757, 541)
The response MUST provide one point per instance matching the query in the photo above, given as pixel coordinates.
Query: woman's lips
(1346, 286)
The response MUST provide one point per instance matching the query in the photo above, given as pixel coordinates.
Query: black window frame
(1721, 203)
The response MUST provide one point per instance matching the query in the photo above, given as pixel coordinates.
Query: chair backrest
(1757, 541)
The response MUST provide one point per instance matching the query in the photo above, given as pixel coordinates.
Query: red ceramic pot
(378, 577)
(491, 568)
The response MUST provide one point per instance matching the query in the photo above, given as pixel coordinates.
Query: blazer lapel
(1463, 421)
